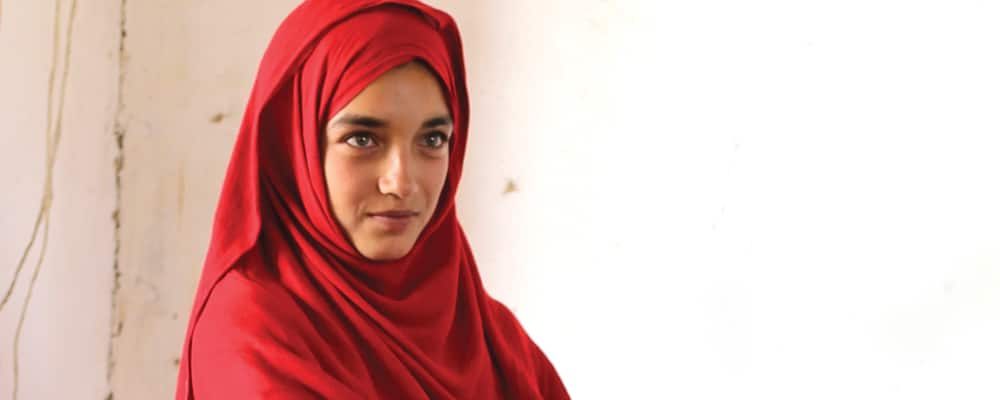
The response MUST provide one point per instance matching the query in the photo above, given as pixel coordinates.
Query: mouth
(393, 221)
(394, 214)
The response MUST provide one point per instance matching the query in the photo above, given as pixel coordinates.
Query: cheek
(435, 174)
(346, 183)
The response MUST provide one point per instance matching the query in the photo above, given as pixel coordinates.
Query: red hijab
(286, 307)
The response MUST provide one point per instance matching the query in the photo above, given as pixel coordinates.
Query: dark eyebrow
(372, 122)
(437, 122)
(362, 120)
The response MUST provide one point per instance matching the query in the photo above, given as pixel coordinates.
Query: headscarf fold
(286, 306)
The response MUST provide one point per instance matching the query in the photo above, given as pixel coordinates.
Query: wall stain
(153, 292)
(511, 187)
(53, 135)
(218, 117)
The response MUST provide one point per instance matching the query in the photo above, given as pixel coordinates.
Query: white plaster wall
(64, 340)
(726, 199)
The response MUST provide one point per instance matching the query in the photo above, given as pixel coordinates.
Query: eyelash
(347, 139)
(445, 139)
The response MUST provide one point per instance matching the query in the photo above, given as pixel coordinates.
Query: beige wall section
(188, 71)
(67, 323)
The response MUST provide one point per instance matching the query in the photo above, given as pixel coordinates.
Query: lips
(394, 214)
(393, 221)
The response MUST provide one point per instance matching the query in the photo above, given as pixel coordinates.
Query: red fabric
(286, 308)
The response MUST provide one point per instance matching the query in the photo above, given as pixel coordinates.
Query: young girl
(337, 267)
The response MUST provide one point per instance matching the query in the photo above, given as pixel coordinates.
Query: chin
(386, 251)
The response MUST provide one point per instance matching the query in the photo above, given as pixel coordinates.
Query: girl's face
(386, 160)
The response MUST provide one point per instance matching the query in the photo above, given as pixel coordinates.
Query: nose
(397, 176)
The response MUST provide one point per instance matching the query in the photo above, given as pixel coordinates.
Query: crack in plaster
(52, 139)
(46, 200)
(27, 250)
(119, 162)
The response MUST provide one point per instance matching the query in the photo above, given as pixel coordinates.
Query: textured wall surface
(188, 70)
(58, 95)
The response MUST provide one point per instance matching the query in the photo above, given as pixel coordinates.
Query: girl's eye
(435, 140)
(360, 140)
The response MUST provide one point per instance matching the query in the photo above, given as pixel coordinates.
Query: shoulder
(505, 318)
(510, 329)
(243, 313)
(245, 345)
(249, 301)
(549, 382)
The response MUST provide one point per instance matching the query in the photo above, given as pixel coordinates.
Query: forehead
(408, 91)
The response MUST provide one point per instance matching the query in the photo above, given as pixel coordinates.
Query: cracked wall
(58, 74)
(187, 73)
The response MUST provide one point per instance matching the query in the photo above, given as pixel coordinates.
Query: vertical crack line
(119, 161)
(52, 138)
(24, 256)
(27, 300)
(42, 210)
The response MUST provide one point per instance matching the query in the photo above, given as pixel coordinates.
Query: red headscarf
(286, 307)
